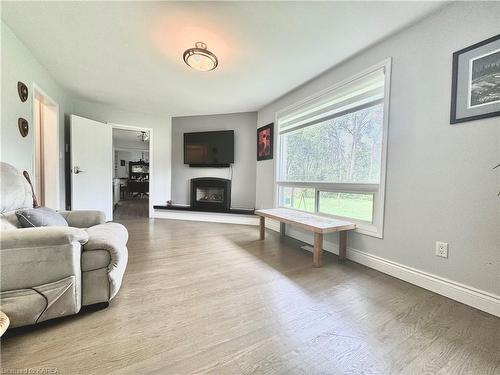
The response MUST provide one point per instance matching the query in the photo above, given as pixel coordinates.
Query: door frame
(36, 89)
(151, 159)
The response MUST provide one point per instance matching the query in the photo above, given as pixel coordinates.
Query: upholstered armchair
(48, 272)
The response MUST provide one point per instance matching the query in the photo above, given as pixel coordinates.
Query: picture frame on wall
(265, 142)
(475, 90)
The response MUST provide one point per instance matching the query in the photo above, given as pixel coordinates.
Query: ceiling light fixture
(144, 136)
(200, 58)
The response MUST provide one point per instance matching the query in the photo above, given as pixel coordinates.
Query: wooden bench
(317, 224)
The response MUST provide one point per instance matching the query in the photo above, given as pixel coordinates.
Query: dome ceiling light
(200, 58)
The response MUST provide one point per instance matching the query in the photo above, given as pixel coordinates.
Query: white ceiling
(128, 139)
(129, 54)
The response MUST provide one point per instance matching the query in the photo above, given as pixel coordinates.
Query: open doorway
(46, 145)
(131, 172)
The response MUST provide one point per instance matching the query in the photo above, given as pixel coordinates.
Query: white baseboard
(214, 217)
(476, 298)
(479, 299)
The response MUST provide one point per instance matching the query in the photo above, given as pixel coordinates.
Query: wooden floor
(211, 298)
(132, 208)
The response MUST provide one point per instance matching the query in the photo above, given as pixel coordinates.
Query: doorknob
(77, 170)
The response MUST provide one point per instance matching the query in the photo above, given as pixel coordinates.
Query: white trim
(277, 157)
(151, 159)
(34, 90)
(131, 149)
(213, 217)
(378, 212)
(468, 295)
(376, 228)
(479, 299)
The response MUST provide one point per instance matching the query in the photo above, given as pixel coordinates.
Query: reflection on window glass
(298, 198)
(355, 206)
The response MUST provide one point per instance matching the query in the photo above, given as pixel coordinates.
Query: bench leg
(282, 229)
(342, 245)
(262, 224)
(318, 249)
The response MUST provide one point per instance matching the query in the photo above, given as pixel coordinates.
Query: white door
(91, 166)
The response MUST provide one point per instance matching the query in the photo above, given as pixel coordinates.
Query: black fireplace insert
(211, 194)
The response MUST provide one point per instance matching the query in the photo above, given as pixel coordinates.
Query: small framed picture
(122, 163)
(475, 90)
(265, 142)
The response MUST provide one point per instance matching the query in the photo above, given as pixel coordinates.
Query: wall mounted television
(209, 149)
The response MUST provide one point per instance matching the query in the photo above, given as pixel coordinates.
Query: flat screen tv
(209, 149)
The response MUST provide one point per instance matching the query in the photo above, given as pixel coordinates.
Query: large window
(332, 150)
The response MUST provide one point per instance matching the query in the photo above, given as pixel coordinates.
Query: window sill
(369, 230)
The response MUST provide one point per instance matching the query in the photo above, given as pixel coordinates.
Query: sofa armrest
(84, 218)
(37, 256)
(110, 237)
(41, 237)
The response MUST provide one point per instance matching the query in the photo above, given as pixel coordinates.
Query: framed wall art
(475, 90)
(265, 142)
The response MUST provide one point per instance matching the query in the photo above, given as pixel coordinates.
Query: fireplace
(211, 194)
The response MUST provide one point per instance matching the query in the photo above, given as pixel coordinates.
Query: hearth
(211, 194)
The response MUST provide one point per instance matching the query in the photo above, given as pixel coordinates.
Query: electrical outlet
(442, 249)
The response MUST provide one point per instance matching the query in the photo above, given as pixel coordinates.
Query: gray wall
(243, 184)
(440, 182)
(18, 64)
(159, 191)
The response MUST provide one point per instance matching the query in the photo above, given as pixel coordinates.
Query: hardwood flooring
(132, 208)
(207, 298)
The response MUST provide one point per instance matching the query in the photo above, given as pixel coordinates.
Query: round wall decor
(23, 126)
(22, 90)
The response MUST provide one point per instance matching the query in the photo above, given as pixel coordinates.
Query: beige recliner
(48, 272)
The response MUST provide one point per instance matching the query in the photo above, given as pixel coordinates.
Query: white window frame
(376, 227)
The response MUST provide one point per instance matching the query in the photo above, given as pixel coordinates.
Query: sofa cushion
(83, 218)
(16, 192)
(8, 220)
(40, 217)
